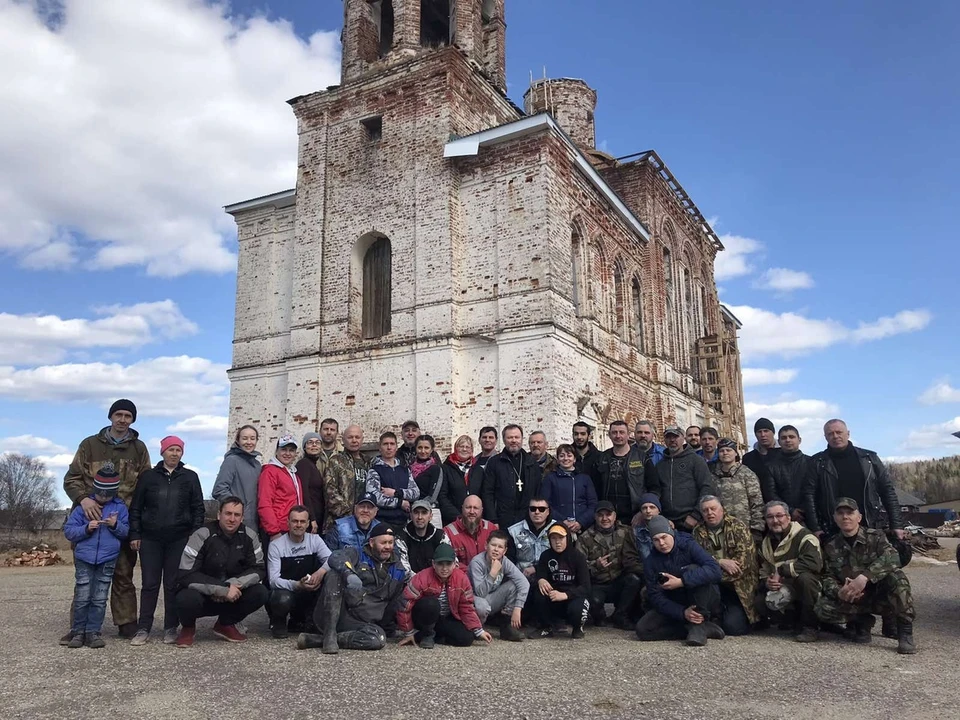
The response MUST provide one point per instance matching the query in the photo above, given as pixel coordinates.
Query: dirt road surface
(606, 675)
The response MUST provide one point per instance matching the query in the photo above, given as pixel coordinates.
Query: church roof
(471, 144)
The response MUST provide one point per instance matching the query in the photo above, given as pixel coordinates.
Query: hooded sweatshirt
(567, 571)
(240, 475)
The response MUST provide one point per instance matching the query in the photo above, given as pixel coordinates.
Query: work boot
(311, 640)
(76, 641)
(510, 633)
(696, 635)
(96, 641)
(368, 637)
(905, 644)
(65, 639)
(888, 626)
(862, 629)
(714, 631)
(127, 631)
(807, 635)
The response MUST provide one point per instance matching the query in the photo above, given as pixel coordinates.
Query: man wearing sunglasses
(528, 538)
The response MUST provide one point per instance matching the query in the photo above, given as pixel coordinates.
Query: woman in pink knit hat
(167, 507)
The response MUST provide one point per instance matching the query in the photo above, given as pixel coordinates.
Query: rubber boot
(714, 631)
(309, 640)
(366, 637)
(696, 635)
(905, 644)
(888, 626)
(326, 615)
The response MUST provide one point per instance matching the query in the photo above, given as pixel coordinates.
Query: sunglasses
(537, 508)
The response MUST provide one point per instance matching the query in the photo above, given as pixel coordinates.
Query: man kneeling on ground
(683, 588)
(563, 587)
(615, 567)
(437, 606)
(862, 577)
(730, 543)
(790, 565)
(499, 587)
(221, 573)
(360, 596)
(296, 564)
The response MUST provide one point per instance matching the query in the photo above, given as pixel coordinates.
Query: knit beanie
(170, 441)
(658, 525)
(106, 481)
(763, 424)
(311, 436)
(650, 498)
(123, 404)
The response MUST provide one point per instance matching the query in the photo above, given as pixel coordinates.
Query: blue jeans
(90, 595)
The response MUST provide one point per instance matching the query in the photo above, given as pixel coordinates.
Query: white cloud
(765, 376)
(37, 339)
(201, 427)
(939, 435)
(30, 445)
(807, 415)
(127, 131)
(163, 386)
(734, 260)
(940, 392)
(789, 334)
(784, 280)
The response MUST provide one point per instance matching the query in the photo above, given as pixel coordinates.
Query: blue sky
(818, 137)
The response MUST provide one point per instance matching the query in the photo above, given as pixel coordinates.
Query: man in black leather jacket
(843, 470)
(789, 473)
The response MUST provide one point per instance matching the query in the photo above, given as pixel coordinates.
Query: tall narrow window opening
(437, 21)
(636, 307)
(377, 287)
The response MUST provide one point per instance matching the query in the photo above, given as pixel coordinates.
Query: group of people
(685, 540)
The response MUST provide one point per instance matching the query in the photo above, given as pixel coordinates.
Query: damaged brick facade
(517, 291)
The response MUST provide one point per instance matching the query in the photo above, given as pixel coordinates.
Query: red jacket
(465, 545)
(426, 584)
(276, 494)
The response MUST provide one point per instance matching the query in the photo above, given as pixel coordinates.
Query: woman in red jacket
(279, 489)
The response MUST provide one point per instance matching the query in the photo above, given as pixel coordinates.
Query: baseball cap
(366, 498)
(444, 553)
(557, 529)
(286, 440)
(672, 430)
(846, 502)
(422, 505)
(605, 505)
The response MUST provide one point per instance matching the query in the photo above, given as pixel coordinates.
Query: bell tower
(381, 33)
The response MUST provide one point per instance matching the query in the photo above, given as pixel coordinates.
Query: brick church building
(451, 257)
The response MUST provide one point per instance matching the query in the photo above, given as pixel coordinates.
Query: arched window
(383, 16)
(598, 296)
(668, 292)
(377, 286)
(636, 313)
(487, 10)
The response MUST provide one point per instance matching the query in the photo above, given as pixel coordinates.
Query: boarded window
(377, 286)
(437, 22)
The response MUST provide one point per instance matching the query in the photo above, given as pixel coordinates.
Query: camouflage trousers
(891, 597)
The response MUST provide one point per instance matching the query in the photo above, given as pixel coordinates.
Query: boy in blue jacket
(95, 556)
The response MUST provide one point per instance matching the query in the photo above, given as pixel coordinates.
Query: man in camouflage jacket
(862, 577)
(344, 478)
(615, 567)
(730, 543)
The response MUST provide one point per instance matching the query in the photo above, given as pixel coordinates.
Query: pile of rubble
(39, 556)
(949, 529)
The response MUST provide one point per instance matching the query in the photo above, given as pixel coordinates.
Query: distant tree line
(931, 480)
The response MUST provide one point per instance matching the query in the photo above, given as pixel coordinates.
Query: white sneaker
(141, 638)
(170, 636)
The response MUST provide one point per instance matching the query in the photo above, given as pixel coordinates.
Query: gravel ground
(606, 675)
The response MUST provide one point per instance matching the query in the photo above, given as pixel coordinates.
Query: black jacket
(680, 480)
(454, 489)
(588, 463)
(758, 463)
(882, 506)
(212, 557)
(638, 465)
(166, 505)
(787, 478)
(420, 549)
(504, 502)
